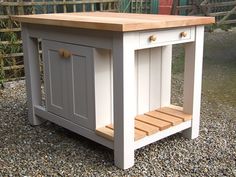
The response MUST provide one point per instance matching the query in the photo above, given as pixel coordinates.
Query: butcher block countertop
(114, 21)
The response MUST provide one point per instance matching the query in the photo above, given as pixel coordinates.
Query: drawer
(165, 37)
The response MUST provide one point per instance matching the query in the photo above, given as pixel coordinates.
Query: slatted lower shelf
(151, 122)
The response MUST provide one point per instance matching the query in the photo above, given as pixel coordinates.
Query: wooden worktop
(114, 21)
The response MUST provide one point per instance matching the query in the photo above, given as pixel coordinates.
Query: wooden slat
(173, 120)
(138, 133)
(9, 30)
(147, 128)
(14, 67)
(110, 126)
(106, 133)
(151, 122)
(4, 17)
(12, 55)
(114, 21)
(175, 113)
(227, 15)
(221, 4)
(162, 125)
(11, 43)
(215, 14)
(229, 22)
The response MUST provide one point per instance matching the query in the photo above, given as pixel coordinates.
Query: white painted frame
(125, 108)
(124, 98)
(193, 81)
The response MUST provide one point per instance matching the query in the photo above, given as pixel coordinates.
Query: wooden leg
(32, 73)
(125, 106)
(193, 81)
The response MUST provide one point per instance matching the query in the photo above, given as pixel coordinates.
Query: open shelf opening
(151, 122)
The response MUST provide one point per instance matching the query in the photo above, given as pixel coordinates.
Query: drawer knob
(183, 34)
(67, 54)
(61, 52)
(64, 53)
(152, 38)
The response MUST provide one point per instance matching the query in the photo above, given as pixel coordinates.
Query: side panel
(32, 74)
(103, 87)
(153, 78)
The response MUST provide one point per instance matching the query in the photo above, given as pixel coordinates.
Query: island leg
(125, 106)
(32, 74)
(193, 81)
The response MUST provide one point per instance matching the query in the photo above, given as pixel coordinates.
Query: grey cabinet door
(56, 82)
(81, 87)
(70, 82)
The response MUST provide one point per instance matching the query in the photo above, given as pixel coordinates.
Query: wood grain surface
(114, 21)
(150, 122)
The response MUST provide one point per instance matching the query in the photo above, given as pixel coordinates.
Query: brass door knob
(183, 34)
(152, 38)
(64, 53)
(67, 54)
(61, 52)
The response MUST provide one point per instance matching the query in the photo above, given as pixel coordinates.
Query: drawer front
(165, 37)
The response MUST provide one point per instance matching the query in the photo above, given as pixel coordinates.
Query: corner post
(125, 106)
(193, 81)
(32, 74)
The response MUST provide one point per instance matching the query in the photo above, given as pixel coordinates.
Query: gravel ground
(50, 150)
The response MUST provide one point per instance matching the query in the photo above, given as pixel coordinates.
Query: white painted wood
(162, 134)
(96, 38)
(32, 73)
(112, 90)
(124, 98)
(41, 112)
(166, 75)
(193, 81)
(165, 37)
(148, 79)
(143, 80)
(111, 82)
(155, 78)
(103, 87)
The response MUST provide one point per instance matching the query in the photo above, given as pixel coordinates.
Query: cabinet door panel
(56, 74)
(82, 87)
(69, 82)
(55, 79)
